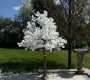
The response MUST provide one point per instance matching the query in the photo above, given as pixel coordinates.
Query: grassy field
(18, 60)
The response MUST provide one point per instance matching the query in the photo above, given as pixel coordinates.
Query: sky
(9, 8)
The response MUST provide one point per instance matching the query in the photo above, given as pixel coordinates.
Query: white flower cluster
(41, 33)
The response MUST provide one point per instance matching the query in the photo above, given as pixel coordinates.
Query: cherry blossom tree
(40, 33)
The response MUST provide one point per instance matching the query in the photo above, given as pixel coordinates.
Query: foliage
(60, 13)
(4, 21)
(54, 11)
(8, 32)
(79, 17)
(24, 14)
(75, 14)
(11, 30)
(44, 36)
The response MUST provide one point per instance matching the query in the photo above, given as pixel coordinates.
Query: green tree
(75, 12)
(6, 27)
(4, 21)
(24, 15)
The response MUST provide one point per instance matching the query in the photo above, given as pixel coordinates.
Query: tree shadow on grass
(34, 65)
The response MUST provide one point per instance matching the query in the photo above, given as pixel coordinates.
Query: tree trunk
(70, 36)
(44, 68)
(69, 54)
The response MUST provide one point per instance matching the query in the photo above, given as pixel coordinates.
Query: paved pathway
(56, 75)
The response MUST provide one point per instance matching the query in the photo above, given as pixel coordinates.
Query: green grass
(18, 60)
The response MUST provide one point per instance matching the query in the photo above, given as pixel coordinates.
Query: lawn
(18, 60)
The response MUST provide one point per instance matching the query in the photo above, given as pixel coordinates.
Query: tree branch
(64, 9)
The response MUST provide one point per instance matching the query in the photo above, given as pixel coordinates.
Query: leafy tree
(25, 14)
(75, 13)
(4, 21)
(6, 25)
(43, 37)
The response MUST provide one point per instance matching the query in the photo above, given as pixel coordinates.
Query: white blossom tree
(40, 33)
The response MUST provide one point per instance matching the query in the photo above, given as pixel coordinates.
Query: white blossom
(42, 36)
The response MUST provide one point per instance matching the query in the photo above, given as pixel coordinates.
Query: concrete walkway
(52, 75)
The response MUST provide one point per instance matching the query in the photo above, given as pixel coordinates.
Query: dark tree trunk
(70, 36)
(44, 68)
(69, 54)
